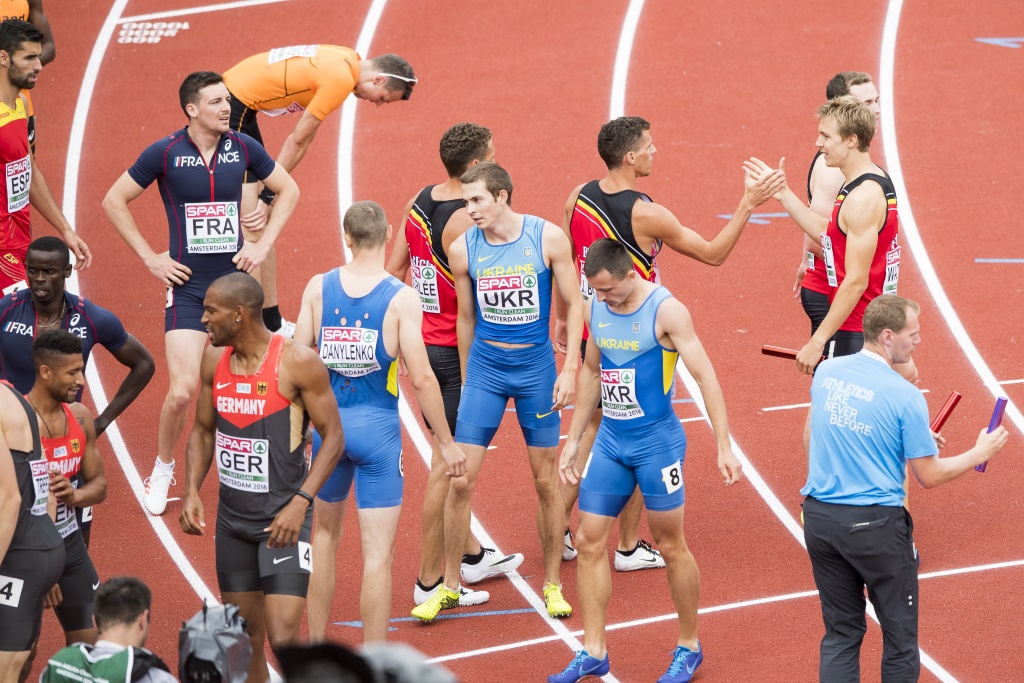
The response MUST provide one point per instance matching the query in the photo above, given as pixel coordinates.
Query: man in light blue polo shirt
(866, 423)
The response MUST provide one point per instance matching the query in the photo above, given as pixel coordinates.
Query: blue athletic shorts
(372, 456)
(651, 456)
(184, 308)
(494, 375)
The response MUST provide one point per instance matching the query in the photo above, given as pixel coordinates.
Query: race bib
(67, 522)
(585, 287)
(673, 477)
(508, 299)
(892, 268)
(618, 394)
(212, 227)
(290, 109)
(279, 54)
(349, 351)
(19, 181)
(424, 279)
(243, 463)
(305, 556)
(10, 591)
(830, 260)
(40, 485)
(19, 285)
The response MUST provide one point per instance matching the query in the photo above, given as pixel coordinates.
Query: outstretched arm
(42, 201)
(652, 221)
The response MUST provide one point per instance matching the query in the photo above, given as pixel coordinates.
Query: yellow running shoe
(557, 606)
(444, 598)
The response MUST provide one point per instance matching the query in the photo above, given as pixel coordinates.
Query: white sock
(166, 466)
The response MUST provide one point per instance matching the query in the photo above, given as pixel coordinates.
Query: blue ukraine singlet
(637, 372)
(352, 344)
(512, 285)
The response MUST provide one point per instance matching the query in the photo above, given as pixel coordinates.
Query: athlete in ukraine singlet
(259, 446)
(202, 205)
(364, 378)
(35, 555)
(640, 436)
(884, 274)
(15, 219)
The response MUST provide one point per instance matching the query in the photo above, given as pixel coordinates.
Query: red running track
(719, 82)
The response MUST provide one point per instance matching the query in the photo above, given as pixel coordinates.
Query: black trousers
(853, 547)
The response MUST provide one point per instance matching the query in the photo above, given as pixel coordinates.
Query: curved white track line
(621, 70)
(71, 171)
(908, 226)
(618, 100)
(408, 417)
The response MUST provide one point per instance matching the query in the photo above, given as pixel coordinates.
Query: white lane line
(71, 172)
(908, 226)
(791, 406)
(618, 107)
(419, 439)
(197, 10)
(716, 608)
(1011, 381)
(622, 54)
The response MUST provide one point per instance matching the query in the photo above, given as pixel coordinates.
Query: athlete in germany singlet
(259, 446)
(78, 580)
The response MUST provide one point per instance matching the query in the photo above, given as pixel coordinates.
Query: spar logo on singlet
(211, 227)
(585, 287)
(19, 181)
(350, 351)
(508, 296)
(242, 463)
(618, 394)
(892, 267)
(40, 486)
(830, 260)
(424, 279)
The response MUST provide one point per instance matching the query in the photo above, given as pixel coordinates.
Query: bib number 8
(673, 477)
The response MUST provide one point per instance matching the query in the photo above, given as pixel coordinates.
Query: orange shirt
(289, 79)
(14, 9)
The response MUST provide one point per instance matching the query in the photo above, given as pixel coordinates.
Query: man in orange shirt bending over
(313, 80)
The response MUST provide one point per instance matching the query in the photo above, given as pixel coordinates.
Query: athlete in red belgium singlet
(258, 393)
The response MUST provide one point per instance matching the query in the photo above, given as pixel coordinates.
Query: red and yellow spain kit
(15, 230)
(431, 275)
(599, 214)
(65, 453)
(291, 79)
(885, 265)
(260, 440)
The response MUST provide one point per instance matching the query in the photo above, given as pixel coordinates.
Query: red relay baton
(781, 352)
(993, 424)
(944, 411)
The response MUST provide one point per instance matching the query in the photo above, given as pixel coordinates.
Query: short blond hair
(852, 117)
(886, 312)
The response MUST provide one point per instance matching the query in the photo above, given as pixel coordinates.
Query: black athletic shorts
(583, 350)
(25, 578)
(815, 306)
(78, 583)
(444, 361)
(243, 120)
(245, 564)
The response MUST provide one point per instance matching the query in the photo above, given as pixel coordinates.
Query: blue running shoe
(684, 663)
(580, 667)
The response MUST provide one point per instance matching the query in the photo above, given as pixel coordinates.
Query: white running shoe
(642, 557)
(287, 328)
(157, 485)
(568, 551)
(467, 596)
(491, 565)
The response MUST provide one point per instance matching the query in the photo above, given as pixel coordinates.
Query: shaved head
(238, 289)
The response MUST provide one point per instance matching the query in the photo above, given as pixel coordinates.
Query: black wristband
(303, 494)
(267, 197)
